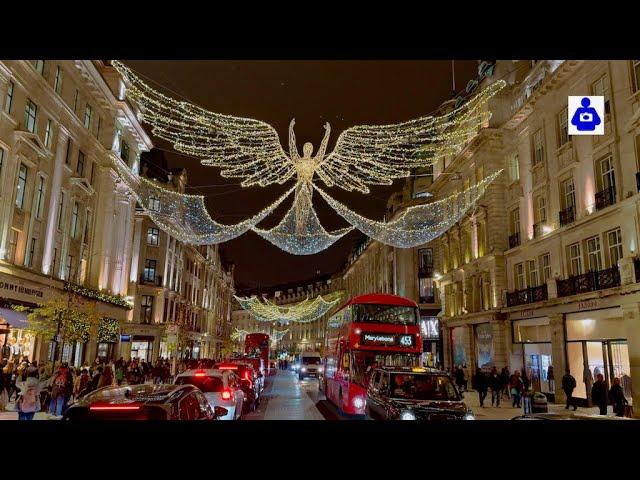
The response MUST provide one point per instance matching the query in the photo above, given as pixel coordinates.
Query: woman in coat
(617, 398)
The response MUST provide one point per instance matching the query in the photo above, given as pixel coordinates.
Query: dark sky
(343, 93)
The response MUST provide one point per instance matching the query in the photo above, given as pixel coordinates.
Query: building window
(563, 129)
(22, 185)
(67, 158)
(80, 164)
(545, 261)
(146, 308)
(13, 245)
(541, 209)
(635, 75)
(60, 210)
(99, 127)
(575, 259)
(40, 197)
(54, 262)
(30, 114)
(75, 101)
(149, 270)
(39, 66)
(30, 253)
(8, 102)
(519, 276)
(568, 193)
(514, 167)
(593, 254)
(87, 227)
(74, 219)
(614, 239)
(1, 162)
(601, 88)
(57, 81)
(124, 151)
(533, 273)
(88, 116)
(538, 147)
(607, 174)
(154, 203)
(515, 221)
(153, 236)
(69, 267)
(48, 133)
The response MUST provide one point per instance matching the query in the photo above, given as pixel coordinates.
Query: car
(414, 393)
(250, 382)
(144, 402)
(220, 387)
(567, 416)
(310, 365)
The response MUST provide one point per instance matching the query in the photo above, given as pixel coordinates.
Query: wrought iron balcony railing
(527, 295)
(151, 280)
(589, 282)
(605, 197)
(567, 216)
(425, 272)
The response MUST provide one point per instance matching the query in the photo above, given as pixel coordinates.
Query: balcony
(567, 216)
(527, 295)
(150, 280)
(537, 230)
(589, 282)
(514, 240)
(605, 198)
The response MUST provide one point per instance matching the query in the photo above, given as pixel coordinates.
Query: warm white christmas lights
(305, 311)
(419, 224)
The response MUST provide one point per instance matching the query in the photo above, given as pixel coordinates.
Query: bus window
(345, 360)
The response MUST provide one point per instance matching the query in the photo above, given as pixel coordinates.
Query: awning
(13, 318)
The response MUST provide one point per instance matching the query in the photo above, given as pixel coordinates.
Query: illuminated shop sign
(430, 327)
(387, 339)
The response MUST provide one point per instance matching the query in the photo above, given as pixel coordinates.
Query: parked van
(310, 365)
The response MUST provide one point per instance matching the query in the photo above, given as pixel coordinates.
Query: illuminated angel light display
(305, 311)
(363, 155)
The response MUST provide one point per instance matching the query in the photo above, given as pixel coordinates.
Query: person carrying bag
(28, 403)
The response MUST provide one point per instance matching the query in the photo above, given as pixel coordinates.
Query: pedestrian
(4, 396)
(516, 388)
(599, 394)
(460, 380)
(107, 377)
(568, 386)
(28, 402)
(95, 380)
(617, 398)
(495, 382)
(480, 383)
(58, 391)
(505, 376)
(81, 383)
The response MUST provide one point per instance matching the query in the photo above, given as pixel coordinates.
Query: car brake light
(226, 395)
(228, 368)
(200, 374)
(115, 407)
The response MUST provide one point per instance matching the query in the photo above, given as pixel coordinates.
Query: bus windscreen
(389, 314)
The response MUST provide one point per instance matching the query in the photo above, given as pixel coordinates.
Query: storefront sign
(389, 340)
(9, 287)
(430, 328)
(125, 338)
(526, 313)
(588, 304)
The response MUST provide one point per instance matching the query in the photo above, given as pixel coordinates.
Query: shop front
(531, 337)
(140, 341)
(460, 346)
(484, 345)
(597, 344)
(15, 341)
(431, 340)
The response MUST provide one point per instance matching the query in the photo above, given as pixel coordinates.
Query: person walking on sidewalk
(495, 382)
(504, 377)
(461, 382)
(516, 388)
(568, 386)
(481, 385)
(599, 394)
(617, 398)
(28, 402)
(58, 391)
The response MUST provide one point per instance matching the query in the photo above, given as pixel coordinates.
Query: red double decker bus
(370, 328)
(256, 350)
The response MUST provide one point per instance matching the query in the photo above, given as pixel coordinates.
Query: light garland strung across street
(239, 335)
(300, 231)
(303, 312)
(363, 155)
(184, 216)
(418, 224)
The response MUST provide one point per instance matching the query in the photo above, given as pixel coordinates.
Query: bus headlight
(358, 402)
(469, 416)
(319, 369)
(303, 369)
(407, 415)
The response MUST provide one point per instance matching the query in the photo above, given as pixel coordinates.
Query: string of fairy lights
(250, 149)
(238, 335)
(306, 311)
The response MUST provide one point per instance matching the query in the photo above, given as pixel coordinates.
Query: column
(135, 253)
(54, 199)
(119, 232)
(447, 356)
(498, 323)
(559, 355)
(631, 317)
(127, 238)
(104, 230)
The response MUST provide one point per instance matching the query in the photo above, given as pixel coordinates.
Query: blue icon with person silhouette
(585, 117)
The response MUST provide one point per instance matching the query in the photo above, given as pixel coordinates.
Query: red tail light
(200, 374)
(228, 367)
(226, 394)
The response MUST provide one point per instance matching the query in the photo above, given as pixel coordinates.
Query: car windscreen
(422, 387)
(391, 314)
(206, 384)
(311, 360)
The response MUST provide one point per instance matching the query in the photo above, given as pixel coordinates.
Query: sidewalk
(507, 412)
(11, 414)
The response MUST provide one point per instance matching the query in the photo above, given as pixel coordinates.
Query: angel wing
(376, 154)
(241, 147)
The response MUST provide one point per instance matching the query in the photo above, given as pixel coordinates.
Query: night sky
(343, 93)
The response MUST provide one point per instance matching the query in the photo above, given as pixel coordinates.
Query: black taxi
(414, 393)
